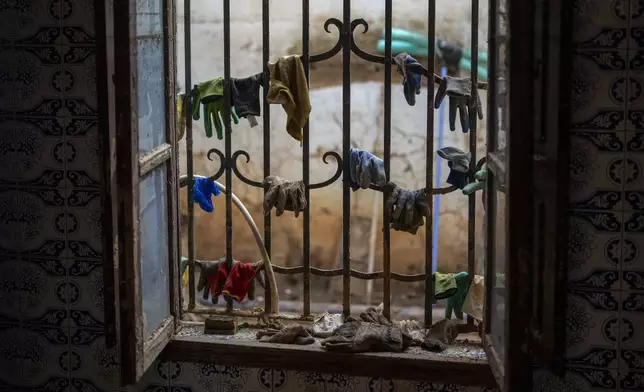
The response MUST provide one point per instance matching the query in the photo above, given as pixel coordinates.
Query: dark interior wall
(51, 287)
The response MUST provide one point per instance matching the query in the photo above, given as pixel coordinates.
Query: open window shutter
(551, 146)
(509, 194)
(146, 155)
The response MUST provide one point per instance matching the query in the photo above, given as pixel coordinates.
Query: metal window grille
(347, 45)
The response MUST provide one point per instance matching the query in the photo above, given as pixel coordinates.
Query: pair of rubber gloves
(210, 95)
(459, 92)
(236, 282)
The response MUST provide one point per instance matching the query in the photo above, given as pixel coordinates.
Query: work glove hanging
(241, 281)
(360, 337)
(411, 71)
(365, 169)
(212, 278)
(459, 92)
(204, 189)
(481, 178)
(459, 165)
(406, 207)
(283, 195)
(211, 96)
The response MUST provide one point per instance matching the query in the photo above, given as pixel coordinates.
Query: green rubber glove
(211, 95)
(481, 178)
(455, 302)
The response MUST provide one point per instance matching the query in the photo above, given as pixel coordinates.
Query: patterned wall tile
(600, 24)
(84, 158)
(10, 291)
(10, 360)
(193, 377)
(632, 331)
(576, 380)
(78, 22)
(637, 23)
(594, 249)
(631, 381)
(23, 21)
(592, 328)
(596, 170)
(599, 84)
(44, 353)
(44, 293)
(635, 118)
(84, 223)
(79, 91)
(157, 378)
(93, 366)
(32, 152)
(632, 248)
(86, 300)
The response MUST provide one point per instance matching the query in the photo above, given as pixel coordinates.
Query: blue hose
(439, 170)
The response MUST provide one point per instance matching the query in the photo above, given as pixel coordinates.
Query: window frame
(127, 167)
(123, 169)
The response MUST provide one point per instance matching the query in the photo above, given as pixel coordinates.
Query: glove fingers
(294, 196)
(452, 114)
(218, 127)
(234, 115)
(462, 113)
(409, 210)
(281, 200)
(270, 199)
(440, 94)
(206, 290)
(400, 204)
(207, 120)
(479, 107)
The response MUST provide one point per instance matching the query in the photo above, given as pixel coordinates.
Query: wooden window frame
(122, 170)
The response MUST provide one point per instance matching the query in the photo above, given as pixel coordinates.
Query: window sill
(462, 364)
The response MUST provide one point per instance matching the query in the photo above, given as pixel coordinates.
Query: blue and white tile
(93, 365)
(45, 355)
(85, 294)
(633, 251)
(592, 328)
(84, 161)
(594, 249)
(596, 170)
(631, 381)
(24, 22)
(44, 293)
(32, 152)
(632, 326)
(211, 377)
(576, 380)
(79, 67)
(34, 221)
(84, 223)
(598, 94)
(31, 86)
(78, 22)
(600, 24)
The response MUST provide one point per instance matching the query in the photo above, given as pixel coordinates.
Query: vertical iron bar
(190, 168)
(306, 230)
(471, 210)
(228, 141)
(386, 235)
(266, 116)
(347, 40)
(429, 166)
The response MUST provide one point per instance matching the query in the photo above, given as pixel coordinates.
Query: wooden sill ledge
(191, 345)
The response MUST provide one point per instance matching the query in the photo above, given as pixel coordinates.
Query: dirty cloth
(288, 87)
(411, 72)
(365, 169)
(360, 336)
(475, 298)
(324, 325)
(245, 96)
(210, 95)
(241, 281)
(203, 190)
(407, 208)
(283, 195)
(181, 115)
(439, 335)
(292, 334)
(459, 165)
(459, 92)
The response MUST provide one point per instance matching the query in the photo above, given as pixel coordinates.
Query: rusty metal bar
(266, 116)
(189, 155)
(306, 226)
(347, 41)
(228, 141)
(471, 210)
(429, 170)
(386, 234)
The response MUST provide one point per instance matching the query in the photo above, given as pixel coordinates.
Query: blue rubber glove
(204, 188)
(365, 169)
(411, 71)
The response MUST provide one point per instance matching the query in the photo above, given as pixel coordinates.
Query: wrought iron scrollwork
(222, 162)
(233, 165)
(336, 48)
(338, 172)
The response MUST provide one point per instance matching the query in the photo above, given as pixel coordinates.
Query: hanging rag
(365, 169)
(181, 115)
(455, 302)
(459, 92)
(407, 208)
(360, 336)
(283, 195)
(290, 89)
(411, 71)
(211, 95)
(459, 165)
(240, 279)
(212, 278)
(292, 334)
(439, 335)
(204, 189)
(475, 298)
(245, 97)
